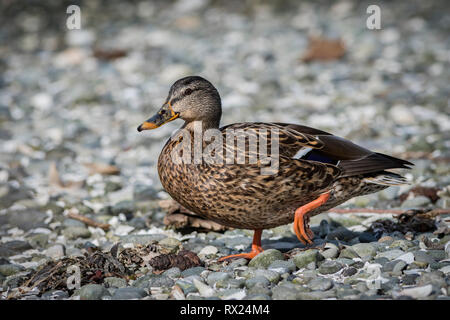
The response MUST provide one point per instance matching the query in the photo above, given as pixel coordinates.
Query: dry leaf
(102, 168)
(55, 180)
(323, 49)
(179, 217)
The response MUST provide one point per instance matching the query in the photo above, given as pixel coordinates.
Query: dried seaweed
(94, 266)
(185, 259)
(410, 221)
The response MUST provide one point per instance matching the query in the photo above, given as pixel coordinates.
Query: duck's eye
(162, 112)
(187, 92)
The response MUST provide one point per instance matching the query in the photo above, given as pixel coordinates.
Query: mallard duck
(313, 170)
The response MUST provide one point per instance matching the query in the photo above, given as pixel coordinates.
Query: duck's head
(192, 99)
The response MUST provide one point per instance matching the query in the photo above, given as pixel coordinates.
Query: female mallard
(233, 183)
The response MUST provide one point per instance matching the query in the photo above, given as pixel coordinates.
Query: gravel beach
(81, 205)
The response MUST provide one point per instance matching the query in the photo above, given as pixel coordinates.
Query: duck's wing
(351, 158)
(310, 144)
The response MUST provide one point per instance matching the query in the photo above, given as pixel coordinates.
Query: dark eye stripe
(183, 94)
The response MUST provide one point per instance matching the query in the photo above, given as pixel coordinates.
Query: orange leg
(303, 232)
(256, 248)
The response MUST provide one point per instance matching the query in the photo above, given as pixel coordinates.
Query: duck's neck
(201, 126)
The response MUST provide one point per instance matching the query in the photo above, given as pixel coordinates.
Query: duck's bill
(164, 115)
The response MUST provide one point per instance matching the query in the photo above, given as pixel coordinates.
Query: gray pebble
(129, 293)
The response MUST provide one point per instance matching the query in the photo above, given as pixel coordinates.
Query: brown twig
(88, 221)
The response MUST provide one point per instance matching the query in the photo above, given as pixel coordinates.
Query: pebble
(208, 250)
(364, 249)
(10, 269)
(215, 277)
(281, 266)
(390, 254)
(129, 293)
(115, 282)
(419, 201)
(73, 233)
(321, 284)
(192, 271)
(203, 289)
(418, 292)
(329, 267)
(265, 258)
(331, 251)
(302, 259)
(407, 257)
(56, 251)
(92, 292)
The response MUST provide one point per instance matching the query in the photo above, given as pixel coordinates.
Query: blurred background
(70, 100)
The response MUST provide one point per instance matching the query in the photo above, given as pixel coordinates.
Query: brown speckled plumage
(238, 195)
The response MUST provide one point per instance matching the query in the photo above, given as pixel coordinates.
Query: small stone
(386, 239)
(170, 245)
(407, 257)
(172, 273)
(10, 269)
(366, 237)
(285, 291)
(272, 276)
(331, 252)
(39, 240)
(208, 250)
(56, 251)
(341, 233)
(364, 250)
(416, 202)
(324, 228)
(129, 293)
(418, 292)
(215, 277)
(265, 258)
(186, 286)
(67, 223)
(390, 254)
(436, 254)
(320, 284)
(192, 271)
(126, 207)
(422, 256)
(445, 269)
(347, 272)
(348, 253)
(92, 292)
(258, 281)
(203, 289)
(409, 279)
(329, 267)
(73, 233)
(13, 247)
(282, 266)
(436, 278)
(159, 281)
(115, 282)
(302, 259)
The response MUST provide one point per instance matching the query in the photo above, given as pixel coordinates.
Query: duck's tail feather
(386, 178)
(375, 162)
